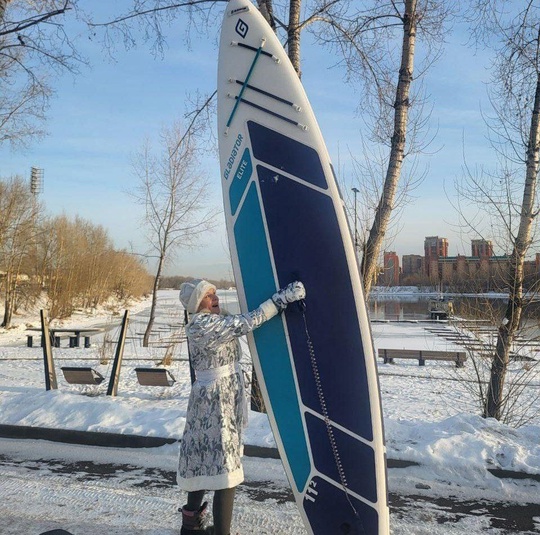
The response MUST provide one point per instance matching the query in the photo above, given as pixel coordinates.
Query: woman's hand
(295, 291)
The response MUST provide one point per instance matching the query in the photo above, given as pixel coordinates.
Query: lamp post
(355, 191)
(36, 180)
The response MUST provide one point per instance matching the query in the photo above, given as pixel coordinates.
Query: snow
(430, 412)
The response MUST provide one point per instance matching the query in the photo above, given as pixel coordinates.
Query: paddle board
(286, 221)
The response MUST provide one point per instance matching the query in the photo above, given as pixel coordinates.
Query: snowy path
(92, 490)
(112, 491)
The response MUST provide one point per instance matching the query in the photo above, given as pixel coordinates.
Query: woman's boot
(194, 522)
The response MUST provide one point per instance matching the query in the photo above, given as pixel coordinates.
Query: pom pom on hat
(193, 292)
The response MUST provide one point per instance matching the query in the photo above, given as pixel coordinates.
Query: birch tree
(378, 44)
(402, 103)
(513, 32)
(174, 195)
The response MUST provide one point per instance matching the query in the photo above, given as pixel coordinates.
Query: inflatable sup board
(286, 221)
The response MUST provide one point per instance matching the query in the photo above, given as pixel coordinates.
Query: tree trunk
(152, 318)
(267, 10)
(397, 149)
(494, 402)
(293, 35)
(9, 302)
(12, 277)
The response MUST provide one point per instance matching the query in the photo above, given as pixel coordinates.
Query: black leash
(324, 411)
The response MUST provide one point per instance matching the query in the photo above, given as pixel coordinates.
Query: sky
(99, 119)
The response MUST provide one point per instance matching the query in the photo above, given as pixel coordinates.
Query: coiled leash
(324, 410)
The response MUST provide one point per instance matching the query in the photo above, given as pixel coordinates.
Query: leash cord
(324, 410)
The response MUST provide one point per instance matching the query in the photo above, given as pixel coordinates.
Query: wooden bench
(459, 357)
(82, 376)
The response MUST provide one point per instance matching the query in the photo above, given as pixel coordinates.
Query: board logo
(232, 157)
(241, 28)
(244, 9)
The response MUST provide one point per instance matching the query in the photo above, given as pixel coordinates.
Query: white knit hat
(193, 292)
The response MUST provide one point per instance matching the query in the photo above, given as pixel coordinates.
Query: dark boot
(194, 522)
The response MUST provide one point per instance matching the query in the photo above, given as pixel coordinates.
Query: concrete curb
(109, 440)
(86, 438)
(117, 440)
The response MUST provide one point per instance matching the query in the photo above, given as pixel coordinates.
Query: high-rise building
(412, 264)
(482, 248)
(391, 269)
(434, 248)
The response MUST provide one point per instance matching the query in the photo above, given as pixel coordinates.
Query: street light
(355, 191)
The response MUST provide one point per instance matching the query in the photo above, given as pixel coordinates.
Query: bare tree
(364, 39)
(79, 268)
(18, 214)
(476, 320)
(397, 147)
(174, 196)
(367, 40)
(511, 190)
(33, 44)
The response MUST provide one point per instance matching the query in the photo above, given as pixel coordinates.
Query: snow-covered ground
(447, 452)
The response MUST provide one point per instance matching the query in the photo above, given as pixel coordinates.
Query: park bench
(55, 339)
(421, 355)
(74, 336)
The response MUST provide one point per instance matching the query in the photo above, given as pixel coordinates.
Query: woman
(211, 448)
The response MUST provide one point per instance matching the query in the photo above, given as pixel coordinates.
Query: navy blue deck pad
(352, 452)
(307, 245)
(240, 181)
(287, 154)
(266, 110)
(259, 284)
(266, 93)
(342, 518)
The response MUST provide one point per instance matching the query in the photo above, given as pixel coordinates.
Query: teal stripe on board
(270, 339)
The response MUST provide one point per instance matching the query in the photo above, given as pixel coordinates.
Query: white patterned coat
(211, 447)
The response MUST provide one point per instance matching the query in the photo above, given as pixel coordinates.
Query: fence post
(117, 364)
(50, 374)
